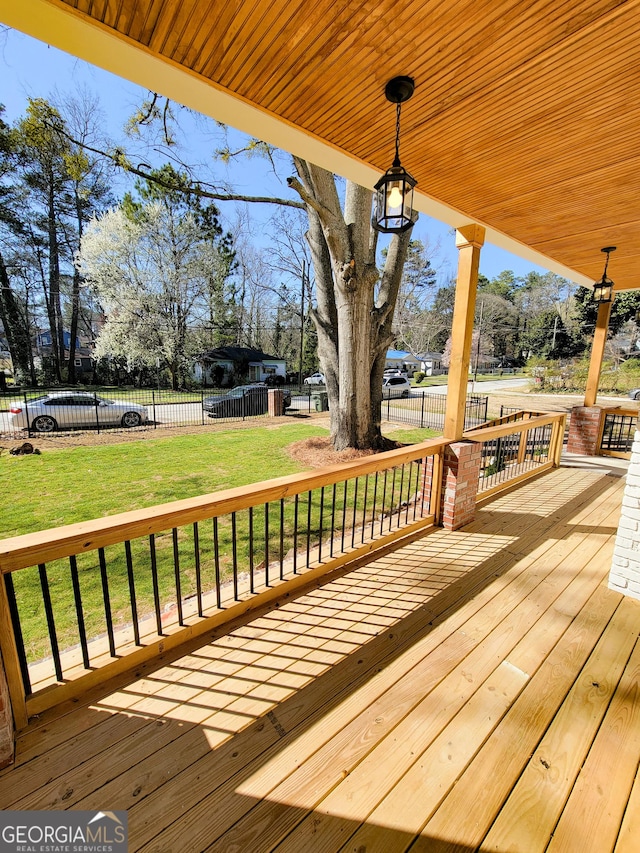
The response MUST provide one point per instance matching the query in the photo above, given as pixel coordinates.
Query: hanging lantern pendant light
(394, 212)
(603, 289)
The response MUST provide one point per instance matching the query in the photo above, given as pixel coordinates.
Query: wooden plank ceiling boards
(524, 117)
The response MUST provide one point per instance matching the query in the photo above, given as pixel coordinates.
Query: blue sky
(29, 68)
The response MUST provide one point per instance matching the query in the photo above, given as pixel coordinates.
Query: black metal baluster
(333, 518)
(48, 609)
(216, 562)
(344, 515)
(281, 538)
(308, 529)
(17, 633)
(266, 544)
(355, 508)
(156, 585)
(176, 572)
(320, 524)
(295, 534)
(77, 598)
(107, 601)
(132, 592)
(251, 566)
(196, 553)
(400, 498)
(373, 509)
(393, 495)
(384, 501)
(234, 541)
(364, 507)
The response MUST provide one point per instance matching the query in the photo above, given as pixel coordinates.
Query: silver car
(395, 386)
(74, 409)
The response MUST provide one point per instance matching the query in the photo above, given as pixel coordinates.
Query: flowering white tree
(152, 272)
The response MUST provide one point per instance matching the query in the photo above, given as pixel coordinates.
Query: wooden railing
(616, 431)
(82, 603)
(515, 448)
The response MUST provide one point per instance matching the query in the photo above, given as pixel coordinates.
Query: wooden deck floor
(474, 690)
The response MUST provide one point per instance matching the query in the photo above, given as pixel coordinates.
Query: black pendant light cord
(396, 162)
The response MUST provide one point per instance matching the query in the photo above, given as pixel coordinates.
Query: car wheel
(636, 396)
(44, 423)
(131, 419)
(405, 393)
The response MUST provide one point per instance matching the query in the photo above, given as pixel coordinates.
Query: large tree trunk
(355, 304)
(15, 327)
(53, 302)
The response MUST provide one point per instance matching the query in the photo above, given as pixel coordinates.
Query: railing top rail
(620, 410)
(43, 546)
(489, 433)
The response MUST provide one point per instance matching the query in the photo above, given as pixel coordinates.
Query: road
(191, 413)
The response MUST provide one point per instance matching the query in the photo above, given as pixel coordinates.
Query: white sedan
(315, 379)
(74, 409)
(395, 386)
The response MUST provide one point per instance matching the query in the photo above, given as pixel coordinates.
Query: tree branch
(120, 160)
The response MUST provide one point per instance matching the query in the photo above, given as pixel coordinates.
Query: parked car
(635, 394)
(395, 371)
(315, 379)
(61, 409)
(395, 386)
(242, 401)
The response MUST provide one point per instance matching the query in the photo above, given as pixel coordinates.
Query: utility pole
(555, 329)
(475, 373)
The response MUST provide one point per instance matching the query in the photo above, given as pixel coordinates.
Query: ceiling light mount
(394, 212)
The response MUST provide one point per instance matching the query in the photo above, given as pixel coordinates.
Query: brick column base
(584, 425)
(275, 396)
(460, 483)
(6, 722)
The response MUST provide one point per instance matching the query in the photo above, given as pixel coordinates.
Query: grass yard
(63, 486)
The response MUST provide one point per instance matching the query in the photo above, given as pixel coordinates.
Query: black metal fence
(50, 411)
(428, 410)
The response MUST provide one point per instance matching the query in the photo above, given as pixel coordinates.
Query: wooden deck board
(372, 713)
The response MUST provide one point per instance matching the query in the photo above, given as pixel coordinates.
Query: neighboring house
(228, 365)
(83, 359)
(431, 363)
(401, 360)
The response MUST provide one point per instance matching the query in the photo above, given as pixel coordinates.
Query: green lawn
(65, 486)
(62, 486)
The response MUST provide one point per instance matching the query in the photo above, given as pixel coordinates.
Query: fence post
(422, 412)
(95, 408)
(153, 405)
(26, 409)
(202, 405)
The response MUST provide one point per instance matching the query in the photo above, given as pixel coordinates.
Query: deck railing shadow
(223, 761)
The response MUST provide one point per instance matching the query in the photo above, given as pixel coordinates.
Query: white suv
(395, 386)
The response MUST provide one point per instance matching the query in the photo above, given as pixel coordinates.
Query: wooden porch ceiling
(473, 690)
(524, 117)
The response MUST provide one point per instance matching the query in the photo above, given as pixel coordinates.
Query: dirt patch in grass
(318, 452)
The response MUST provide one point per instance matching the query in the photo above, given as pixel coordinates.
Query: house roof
(397, 353)
(523, 119)
(232, 353)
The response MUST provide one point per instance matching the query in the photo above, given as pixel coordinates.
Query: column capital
(470, 235)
